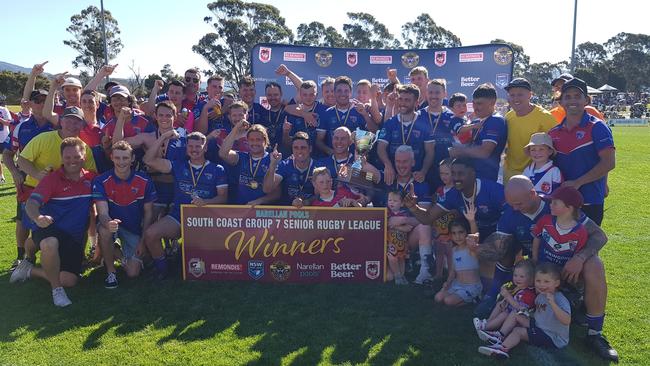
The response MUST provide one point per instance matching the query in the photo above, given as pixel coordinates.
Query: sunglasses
(188, 79)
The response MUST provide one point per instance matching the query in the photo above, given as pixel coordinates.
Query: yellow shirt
(519, 131)
(44, 151)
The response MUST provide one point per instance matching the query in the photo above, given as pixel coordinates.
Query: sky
(158, 32)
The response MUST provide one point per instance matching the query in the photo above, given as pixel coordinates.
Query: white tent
(607, 88)
(592, 91)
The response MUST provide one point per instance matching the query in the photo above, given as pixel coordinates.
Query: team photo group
(500, 213)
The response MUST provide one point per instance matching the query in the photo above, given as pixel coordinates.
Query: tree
(12, 83)
(630, 60)
(316, 34)
(136, 81)
(238, 27)
(168, 74)
(364, 31)
(590, 54)
(86, 28)
(425, 33)
(541, 74)
(520, 59)
(149, 81)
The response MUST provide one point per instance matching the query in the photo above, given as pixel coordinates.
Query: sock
(161, 264)
(21, 252)
(501, 275)
(595, 324)
(425, 254)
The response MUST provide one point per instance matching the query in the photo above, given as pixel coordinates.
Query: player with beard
(439, 118)
(273, 118)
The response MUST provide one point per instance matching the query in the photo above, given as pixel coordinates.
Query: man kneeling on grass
(59, 206)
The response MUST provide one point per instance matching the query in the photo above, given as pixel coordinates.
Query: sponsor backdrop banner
(464, 68)
(283, 244)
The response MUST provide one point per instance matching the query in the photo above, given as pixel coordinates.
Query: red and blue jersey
(494, 130)
(416, 134)
(555, 246)
(339, 194)
(334, 118)
(25, 131)
(125, 198)
(296, 183)
(545, 179)
(521, 225)
(488, 200)
(138, 124)
(66, 201)
(577, 153)
(192, 104)
(202, 181)
(249, 173)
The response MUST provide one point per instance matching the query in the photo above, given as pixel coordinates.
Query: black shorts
(594, 212)
(537, 337)
(71, 251)
(19, 211)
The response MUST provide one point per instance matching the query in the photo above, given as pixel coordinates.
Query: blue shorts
(469, 292)
(537, 337)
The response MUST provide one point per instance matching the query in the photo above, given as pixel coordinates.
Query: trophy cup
(352, 175)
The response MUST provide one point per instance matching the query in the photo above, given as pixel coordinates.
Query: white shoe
(479, 324)
(60, 298)
(423, 277)
(22, 271)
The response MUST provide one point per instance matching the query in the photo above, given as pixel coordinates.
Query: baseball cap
(518, 83)
(575, 83)
(569, 195)
(73, 112)
(540, 138)
(37, 93)
(565, 77)
(120, 90)
(72, 82)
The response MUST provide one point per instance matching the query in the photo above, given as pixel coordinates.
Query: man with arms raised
(60, 207)
(197, 181)
(124, 200)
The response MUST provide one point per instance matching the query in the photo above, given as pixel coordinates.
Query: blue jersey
(189, 180)
(577, 153)
(125, 198)
(164, 182)
(249, 174)
(441, 127)
(255, 113)
(489, 200)
(334, 118)
(421, 191)
(298, 123)
(273, 121)
(296, 183)
(493, 130)
(520, 225)
(333, 165)
(415, 134)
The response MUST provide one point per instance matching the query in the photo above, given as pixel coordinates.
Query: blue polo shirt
(125, 198)
(489, 201)
(520, 225)
(494, 130)
(415, 134)
(577, 153)
(334, 118)
(295, 182)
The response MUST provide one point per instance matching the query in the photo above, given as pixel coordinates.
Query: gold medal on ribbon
(253, 184)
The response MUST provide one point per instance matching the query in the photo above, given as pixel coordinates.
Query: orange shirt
(559, 113)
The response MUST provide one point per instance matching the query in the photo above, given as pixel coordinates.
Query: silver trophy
(352, 175)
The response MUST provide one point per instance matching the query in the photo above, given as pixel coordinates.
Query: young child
(441, 242)
(545, 176)
(549, 326)
(517, 296)
(463, 285)
(325, 196)
(559, 236)
(400, 224)
(459, 123)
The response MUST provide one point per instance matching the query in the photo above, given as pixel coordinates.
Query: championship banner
(464, 68)
(283, 244)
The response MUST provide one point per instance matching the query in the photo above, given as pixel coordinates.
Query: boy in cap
(545, 176)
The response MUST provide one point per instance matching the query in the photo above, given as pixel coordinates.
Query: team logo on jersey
(546, 187)
(265, 54)
(502, 80)
(351, 58)
(196, 267)
(440, 58)
(580, 135)
(410, 60)
(135, 190)
(372, 269)
(503, 56)
(323, 58)
(256, 269)
(280, 271)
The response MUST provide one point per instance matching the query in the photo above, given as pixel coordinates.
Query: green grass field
(191, 323)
